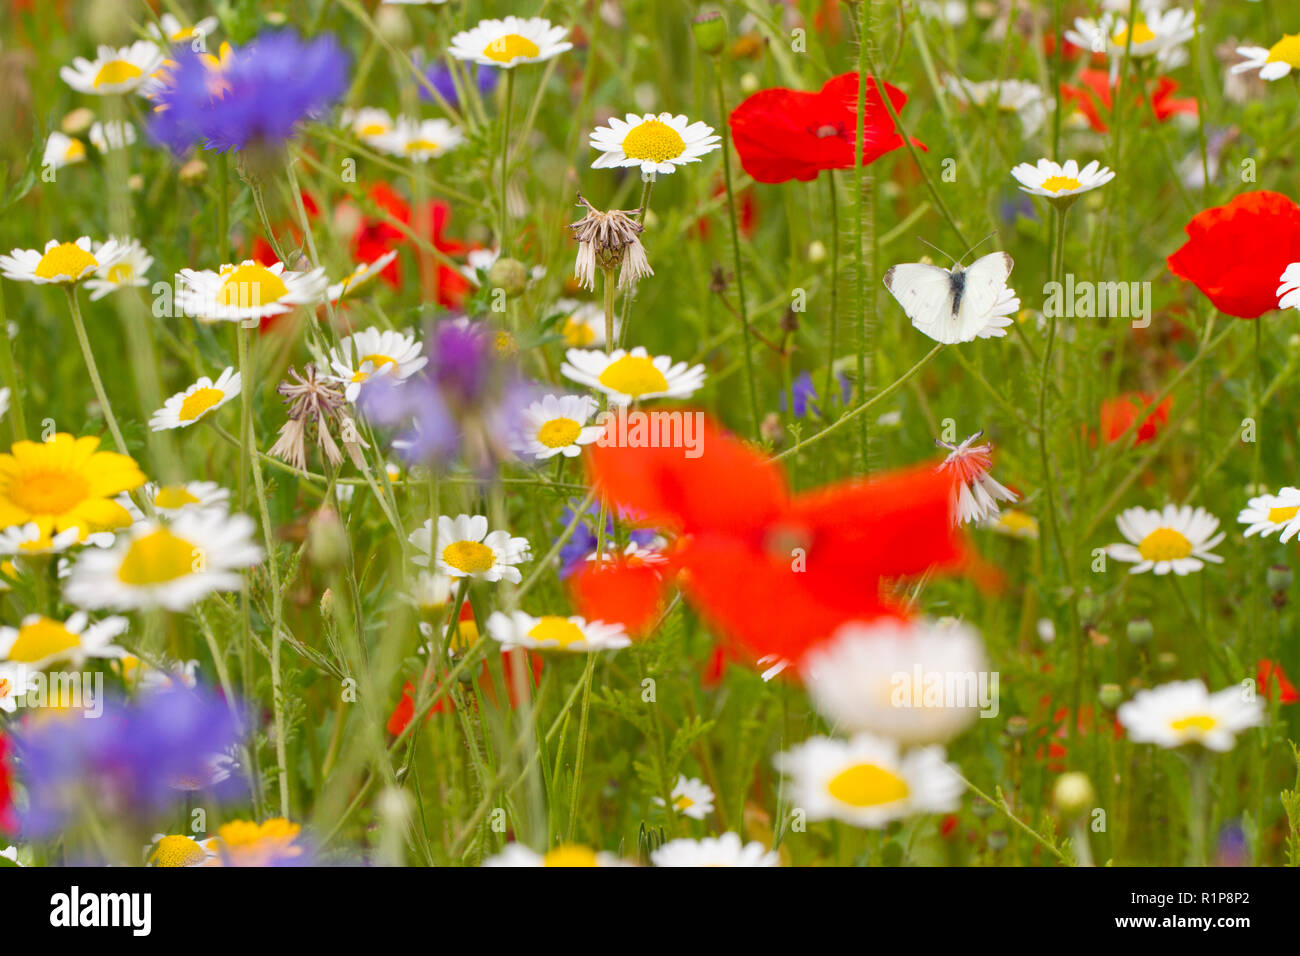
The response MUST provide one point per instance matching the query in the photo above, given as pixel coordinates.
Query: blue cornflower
(439, 77)
(804, 393)
(582, 543)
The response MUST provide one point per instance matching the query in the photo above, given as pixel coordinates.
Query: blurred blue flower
(804, 393)
(582, 543)
(439, 77)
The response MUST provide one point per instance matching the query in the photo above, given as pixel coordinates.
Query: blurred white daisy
(691, 797)
(516, 854)
(1156, 33)
(1185, 712)
(369, 123)
(249, 291)
(62, 150)
(1288, 292)
(359, 277)
(1265, 514)
(112, 135)
(632, 376)
(554, 633)
(1272, 63)
(726, 850)
(10, 854)
(173, 32)
(171, 500)
(1021, 97)
(28, 539)
(583, 324)
(510, 42)
(40, 641)
(658, 144)
(1176, 539)
(375, 353)
(1061, 181)
(419, 140)
(557, 425)
(128, 271)
(204, 396)
(60, 262)
(113, 70)
(466, 549)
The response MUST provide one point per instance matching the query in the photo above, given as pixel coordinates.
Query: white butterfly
(957, 305)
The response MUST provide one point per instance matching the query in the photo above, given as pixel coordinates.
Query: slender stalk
(582, 742)
(17, 420)
(502, 242)
(834, 322)
(91, 369)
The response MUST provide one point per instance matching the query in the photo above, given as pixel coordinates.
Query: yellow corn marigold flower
(63, 483)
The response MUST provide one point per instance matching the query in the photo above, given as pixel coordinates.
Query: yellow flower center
(377, 362)
(569, 855)
(372, 129)
(653, 140)
(421, 145)
(634, 375)
(157, 558)
(1165, 544)
(559, 433)
(683, 803)
(1056, 184)
(250, 286)
(177, 851)
(1018, 522)
(466, 636)
(1286, 50)
(172, 497)
(198, 402)
(558, 629)
(578, 334)
(471, 557)
(510, 47)
(866, 785)
(1196, 723)
(49, 492)
(66, 259)
(1141, 34)
(76, 150)
(1282, 515)
(41, 639)
(122, 272)
(116, 71)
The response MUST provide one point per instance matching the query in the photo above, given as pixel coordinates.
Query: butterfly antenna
(976, 246)
(937, 249)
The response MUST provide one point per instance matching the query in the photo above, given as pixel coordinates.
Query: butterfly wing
(984, 282)
(926, 295)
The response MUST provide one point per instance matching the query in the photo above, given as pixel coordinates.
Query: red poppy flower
(1094, 95)
(772, 571)
(1236, 254)
(8, 818)
(782, 134)
(1119, 414)
(1271, 677)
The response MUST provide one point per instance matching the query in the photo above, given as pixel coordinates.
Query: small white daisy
(1173, 539)
(1288, 293)
(112, 135)
(864, 780)
(178, 849)
(975, 493)
(1061, 181)
(583, 324)
(28, 539)
(658, 144)
(1268, 513)
(62, 150)
(249, 291)
(60, 262)
(369, 123)
(516, 854)
(1185, 712)
(632, 376)
(171, 500)
(127, 271)
(726, 850)
(185, 408)
(419, 140)
(691, 797)
(359, 277)
(554, 633)
(466, 549)
(557, 425)
(1021, 97)
(1157, 33)
(170, 566)
(431, 593)
(113, 70)
(40, 641)
(375, 353)
(10, 854)
(510, 42)
(14, 682)
(1273, 62)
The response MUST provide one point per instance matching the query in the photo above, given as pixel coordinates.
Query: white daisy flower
(551, 632)
(1059, 181)
(14, 682)
(112, 135)
(1157, 33)
(10, 854)
(1273, 62)
(516, 854)
(178, 849)
(60, 262)
(557, 425)
(658, 144)
(466, 549)
(359, 277)
(128, 271)
(632, 376)
(62, 150)
(773, 666)
(1014, 524)
(864, 780)
(173, 32)
(40, 641)
(419, 140)
(976, 493)
(1174, 539)
(916, 682)
(171, 500)
(691, 797)
(185, 408)
(431, 592)
(170, 566)
(249, 291)
(637, 555)
(1288, 293)
(368, 123)
(113, 70)
(375, 353)
(28, 539)
(146, 677)
(726, 850)
(1021, 97)
(1185, 712)
(510, 42)
(583, 325)
(1268, 513)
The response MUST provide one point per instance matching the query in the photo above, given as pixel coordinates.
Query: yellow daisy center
(49, 492)
(177, 851)
(251, 285)
(421, 145)
(1056, 184)
(867, 785)
(198, 402)
(634, 375)
(1165, 544)
(116, 71)
(372, 129)
(1018, 522)
(1197, 723)
(653, 140)
(122, 272)
(41, 639)
(76, 150)
(683, 803)
(65, 259)
(569, 855)
(172, 497)
(471, 557)
(377, 362)
(559, 433)
(466, 636)
(558, 629)
(510, 47)
(1286, 50)
(1141, 34)
(1282, 515)
(157, 558)
(578, 334)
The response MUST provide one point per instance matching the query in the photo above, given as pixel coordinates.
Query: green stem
(502, 242)
(93, 370)
(833, 324)
(17, 420)
(582, 741)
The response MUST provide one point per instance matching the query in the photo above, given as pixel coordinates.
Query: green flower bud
(1140, 631)
(510, 275)
(1279, 577)
(1017, 726)
(1110, 695)
(1073, 794)
(710, 31)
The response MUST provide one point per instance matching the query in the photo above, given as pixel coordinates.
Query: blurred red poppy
(1236, 254)
(1118, 415)
(782, 134)
(1271, 677)
(8, 818)
(1093, 95)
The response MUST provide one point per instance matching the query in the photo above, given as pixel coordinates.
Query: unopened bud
(710, 31)
(510, 275)
(1073, 794)
(77, 122)
(194, 173)
(1110, 695)
(1017, 726)
(327, 542)
(1279, 577)
(1140, 631)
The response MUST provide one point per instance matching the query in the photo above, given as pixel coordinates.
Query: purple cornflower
(804, 393)
(582, 543)
(134, 760)
(439, 77)
(255, 97)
